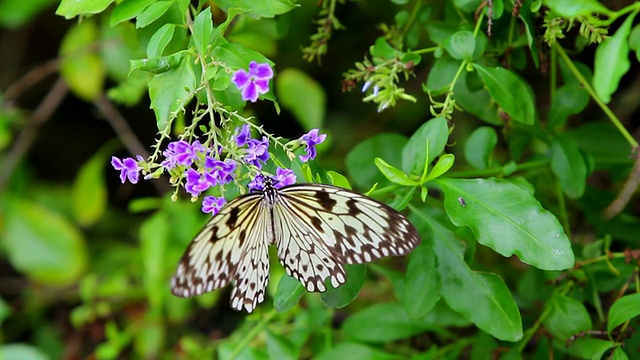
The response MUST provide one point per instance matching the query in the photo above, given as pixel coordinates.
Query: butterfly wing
(320, 227)
(233, 246)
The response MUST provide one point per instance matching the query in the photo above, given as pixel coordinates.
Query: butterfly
(316, 229)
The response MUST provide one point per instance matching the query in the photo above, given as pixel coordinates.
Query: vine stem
(591, 91)
(252, 333)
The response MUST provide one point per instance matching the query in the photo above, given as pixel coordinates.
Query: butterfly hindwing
(231, 247)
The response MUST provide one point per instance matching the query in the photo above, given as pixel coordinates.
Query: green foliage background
(507, 142)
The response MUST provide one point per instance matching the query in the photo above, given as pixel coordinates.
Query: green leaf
(360, 160)
(568, 164)
(288, 293)
(203, 31)
(510, 92)
(461, 45)
(569, 9)
(22, 352)
(171, 91)
(355, 351)
(434, 134)
(303, 96)
(43, 244)
(344, 294)
(421, 283)
(619, 354)
(626, 308)
(89, 192)
(259, 8)
(567, 317)
(72, 8)
(441, 75)
(442, 166)
(153, 13)
(154, 237)
(569, 99)
(127, 10)
(508, 219)
(586, 347)
(527, 20)
(482, 298)
(612, 61)
(476, 100)
(159, 40)
(394, 174)
(380, 323)
(81, 67)
(280, 347)
(479, 146)
(634, 41)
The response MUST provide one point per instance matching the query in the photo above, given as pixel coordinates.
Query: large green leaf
(43, 244)
(89, 191)
(303, 96)
(569, 166)
(508, 219)
(479, 146)
(73, 8)
(381, 323)
(432, 134)
(360, 161)
(81, 67)
(482, 298)
(171, 91)
(355, 351)
(421, 283)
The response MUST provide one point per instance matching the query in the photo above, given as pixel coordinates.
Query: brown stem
(627, 191)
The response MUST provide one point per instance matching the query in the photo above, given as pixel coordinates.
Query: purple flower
(197, 182)
(243, 136)
(212, 204)
(128, 168)
(257, 184)
(220, 172)
(311, 139)
(257, 151)
(284, 177)
(253, 83)
(181, 153)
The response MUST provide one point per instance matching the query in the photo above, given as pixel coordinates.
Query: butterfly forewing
(316, 228)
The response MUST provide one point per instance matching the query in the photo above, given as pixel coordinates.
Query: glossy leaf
(159, 40)
(259, 8)
(510, 92)
(434, 134)
(626, 308)
(508, 219)
(355, 351)
(280, 347)
(461, 45)
(569, 99)
(575, 8)
(568, 165)
(612, 61)
(479, 146)
(152, 13)
(442, 166)
(482, 298)
(393, 174)
(203, 31)
(441, 75)
(303, 96)
(129, 9)
(72, 8)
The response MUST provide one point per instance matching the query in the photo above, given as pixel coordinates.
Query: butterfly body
(316, 229)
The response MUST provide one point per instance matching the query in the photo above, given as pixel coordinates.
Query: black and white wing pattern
(320, 227)
(233, 246)
(316, 228)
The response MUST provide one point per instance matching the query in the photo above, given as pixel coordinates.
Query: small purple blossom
(366, 86)
(128, 167)
(243, 136)
(220, 172)
(212, 204)
(253, 83)
(181, 153)
(311, 139)
(257, 184)
(197, 182)
(258, 150)
(284, 177)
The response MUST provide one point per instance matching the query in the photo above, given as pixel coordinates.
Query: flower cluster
(199, 167)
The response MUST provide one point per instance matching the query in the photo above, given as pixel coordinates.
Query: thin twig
(24, 140)
(629, 188)
(34, 76)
